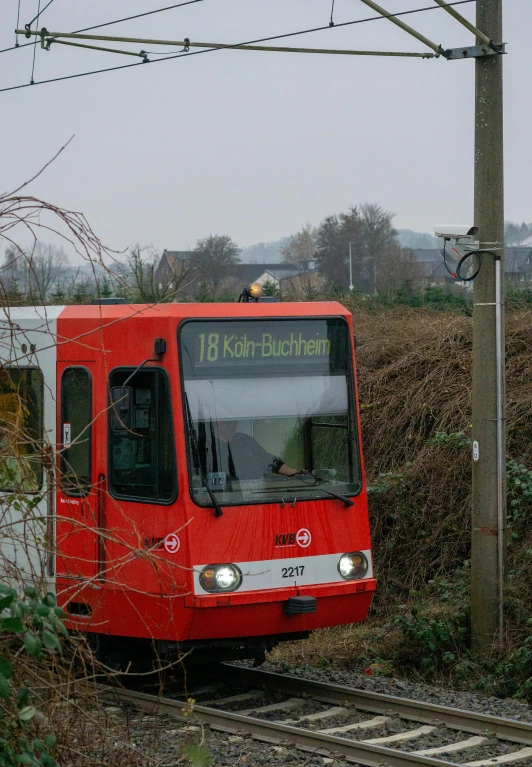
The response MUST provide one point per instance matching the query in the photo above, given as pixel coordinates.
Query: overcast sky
(252, 144)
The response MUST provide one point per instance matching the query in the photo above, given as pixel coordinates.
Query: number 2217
(292, 572)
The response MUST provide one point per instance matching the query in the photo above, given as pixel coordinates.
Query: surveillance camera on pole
(460, 250)
(464, 234)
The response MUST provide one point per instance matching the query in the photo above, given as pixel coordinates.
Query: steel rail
(273, 732)
(428, 713)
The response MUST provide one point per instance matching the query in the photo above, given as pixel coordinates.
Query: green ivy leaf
(58, 625)
(22, 697)
(12, 624)
(43, 610)
(26, 758)
(4, 687)
(6, 668)
(6, 601)
(27, 713)
(50, 600)
(37, 621)
(48, 761)
(50, 741)
(50, 641)
(7, 590)
(32, 643)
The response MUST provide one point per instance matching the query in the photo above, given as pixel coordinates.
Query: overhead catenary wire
(209, 50)
(140, 15)
(331, 22)
(39, 12)
(35, 46)
(189, 2)
(290, 34)
(108, 23)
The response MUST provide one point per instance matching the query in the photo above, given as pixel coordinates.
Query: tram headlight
(220, 578)
(353, 566)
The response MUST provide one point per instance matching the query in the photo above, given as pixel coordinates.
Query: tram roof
(202, 310)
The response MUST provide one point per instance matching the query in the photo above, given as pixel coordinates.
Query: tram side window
(21, 429)
(141, 442)
(76, 418)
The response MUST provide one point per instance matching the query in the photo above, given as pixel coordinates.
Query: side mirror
(121, 408)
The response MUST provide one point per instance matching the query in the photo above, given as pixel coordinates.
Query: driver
(241, 457)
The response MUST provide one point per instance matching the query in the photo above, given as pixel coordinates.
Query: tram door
(78, 500)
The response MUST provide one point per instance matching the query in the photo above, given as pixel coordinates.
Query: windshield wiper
(345, 500)
(193, 437)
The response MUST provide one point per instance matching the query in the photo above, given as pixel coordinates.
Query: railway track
(358, 726)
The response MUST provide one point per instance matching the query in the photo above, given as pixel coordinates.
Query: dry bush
(414, 373)
(414, 376)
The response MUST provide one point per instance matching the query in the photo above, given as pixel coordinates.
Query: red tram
(208, 488)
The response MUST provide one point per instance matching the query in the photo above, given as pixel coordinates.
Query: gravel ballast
(167, 741)
(404, 688)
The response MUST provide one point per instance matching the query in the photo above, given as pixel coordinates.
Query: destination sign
(264, 343)
(229, 346)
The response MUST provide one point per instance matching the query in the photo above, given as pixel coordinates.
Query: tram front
(273, 449)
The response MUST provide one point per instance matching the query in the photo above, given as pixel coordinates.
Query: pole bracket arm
(474, 51)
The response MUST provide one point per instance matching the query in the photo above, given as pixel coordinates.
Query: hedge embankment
(414, 374)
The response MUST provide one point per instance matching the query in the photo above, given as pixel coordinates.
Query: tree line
(357, 247)
(515, 234)
(44, 274)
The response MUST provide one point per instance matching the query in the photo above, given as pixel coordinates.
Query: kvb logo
(172, 543)
(302, 538)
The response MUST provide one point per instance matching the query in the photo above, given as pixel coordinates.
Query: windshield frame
(352, 412)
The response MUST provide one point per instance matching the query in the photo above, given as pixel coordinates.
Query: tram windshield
(269, 410)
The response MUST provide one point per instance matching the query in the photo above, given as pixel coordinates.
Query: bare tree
(301, 246)
(306, 286)
(137, 279)
(13, 275)
(32, 215)
(333, 238)
(46, 265)
(214, 258)
(397, 266)
(379, 240)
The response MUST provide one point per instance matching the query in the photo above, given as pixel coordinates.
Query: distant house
(303, 284)
(430, 266)
(170, 267)
(517, 266)
(174, 261)
(263, 273)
